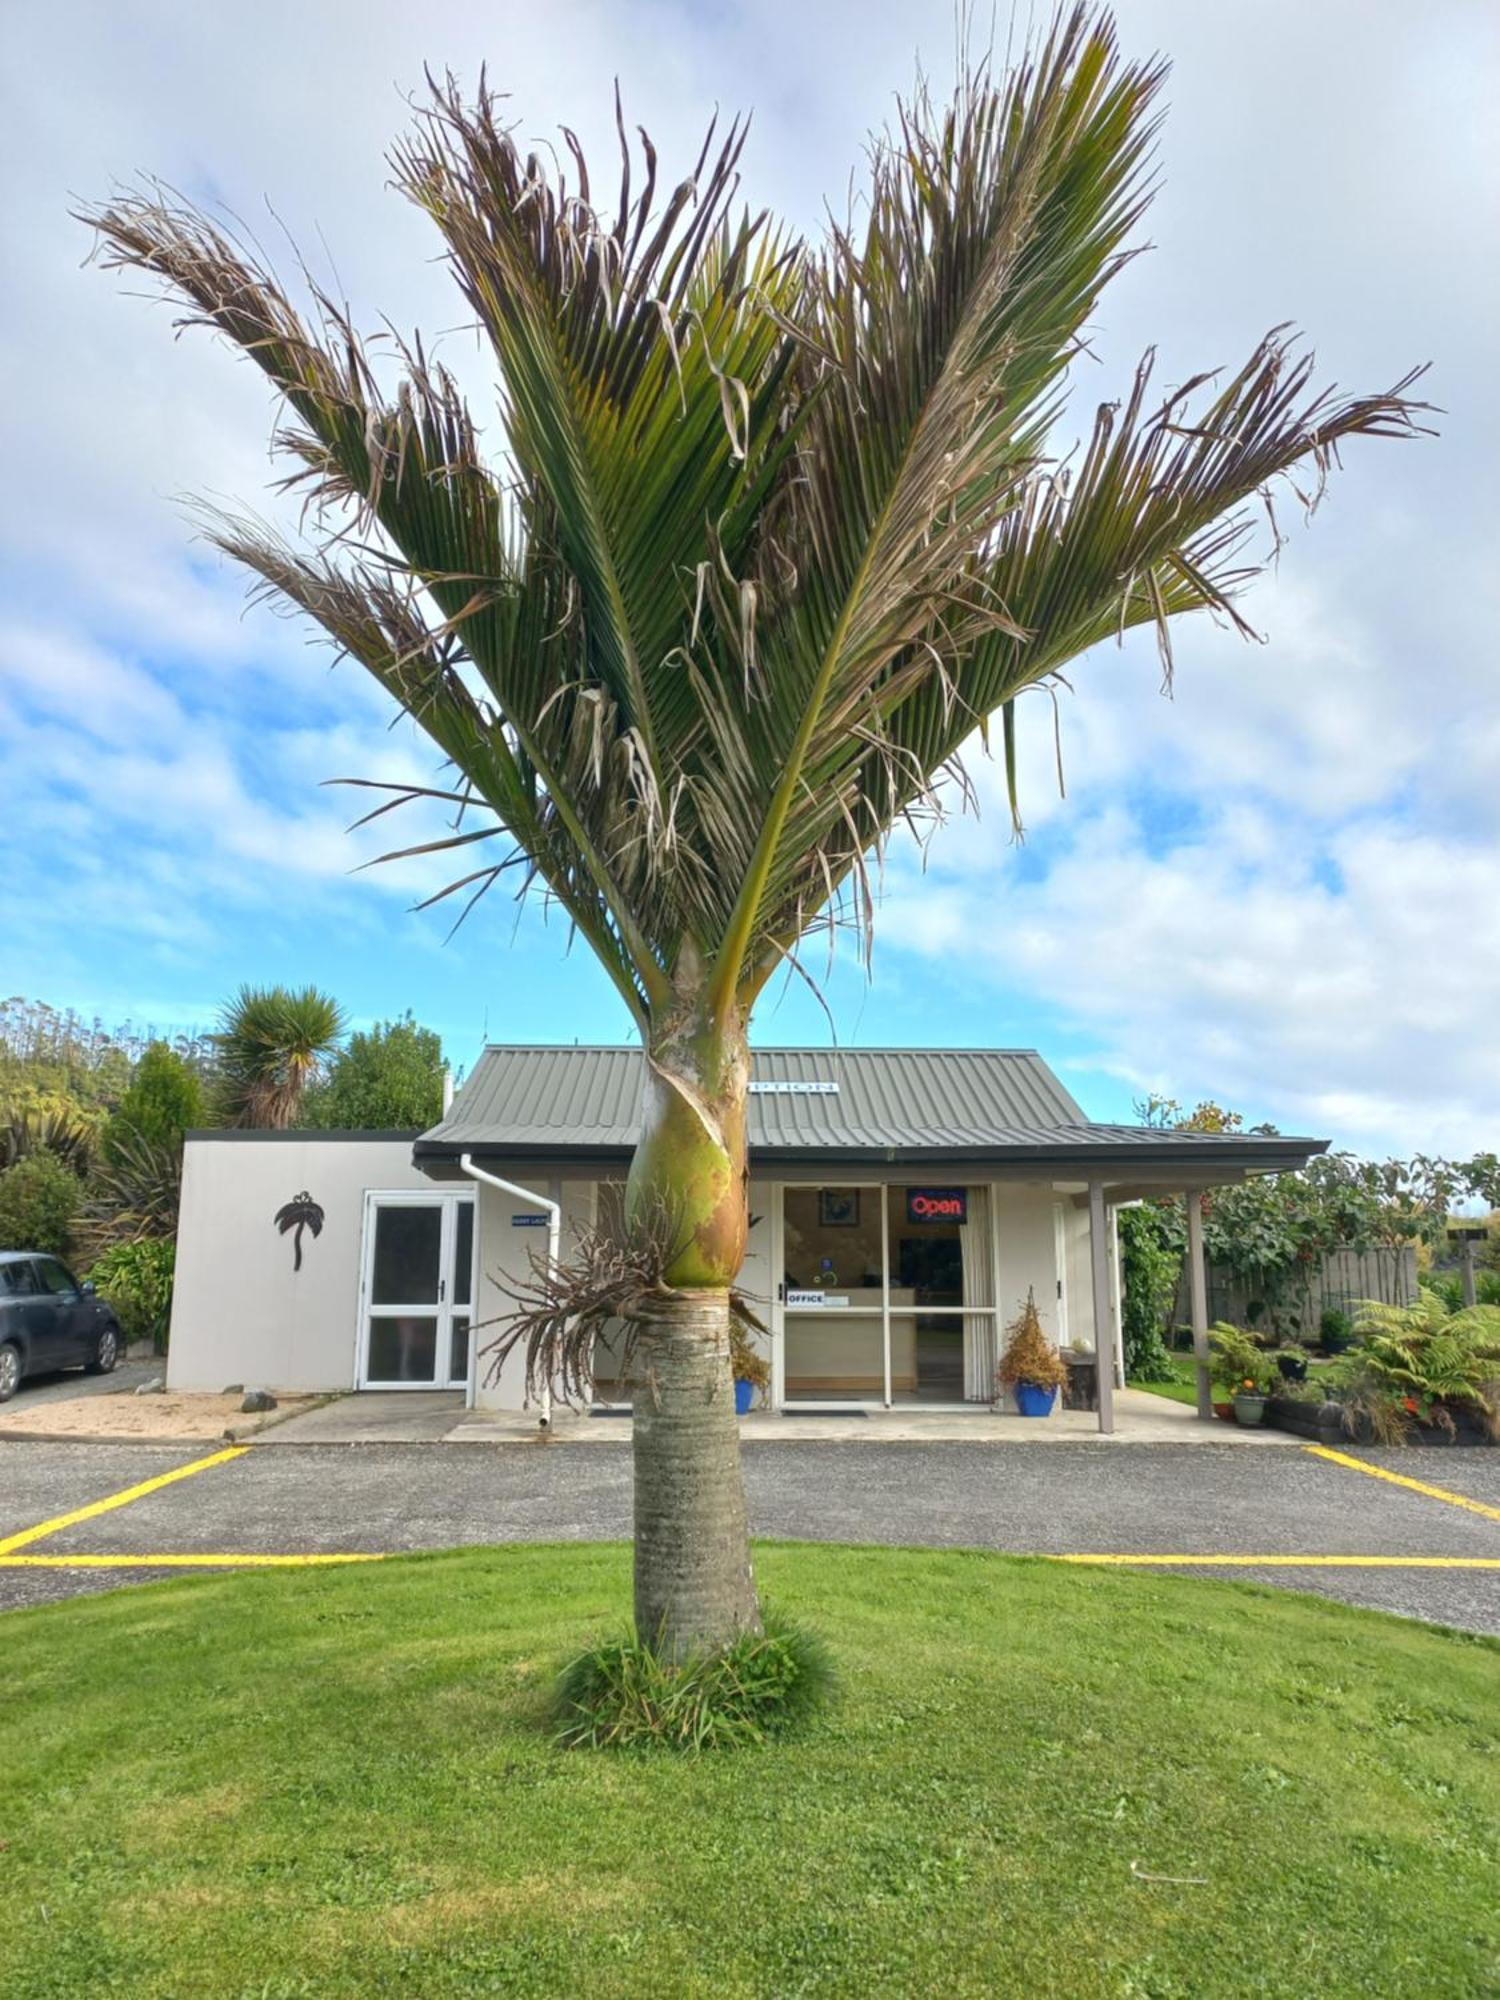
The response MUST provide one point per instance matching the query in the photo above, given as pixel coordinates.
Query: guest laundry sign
(528, 1222)
(937, 1204)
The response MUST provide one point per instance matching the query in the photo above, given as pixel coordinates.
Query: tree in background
(387, 1079)
(39, 1199)
(273, 1043)
(1271, 1232)
(164, 1100)
(778, 527)
(1149, 1269)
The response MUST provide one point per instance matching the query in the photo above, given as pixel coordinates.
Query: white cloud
(1279, 887)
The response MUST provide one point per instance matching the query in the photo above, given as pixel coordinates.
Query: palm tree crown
(779, 525)
(271, 1043)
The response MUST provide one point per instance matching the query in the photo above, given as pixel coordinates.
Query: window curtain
(980, 1353)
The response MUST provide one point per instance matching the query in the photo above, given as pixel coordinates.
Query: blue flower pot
(1034, 1402)
(744, 1395)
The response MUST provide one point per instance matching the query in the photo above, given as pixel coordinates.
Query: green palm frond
(779, 526)
(271, 1043)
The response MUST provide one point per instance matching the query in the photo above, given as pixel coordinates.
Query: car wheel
(10, 1371)
(106, 1353)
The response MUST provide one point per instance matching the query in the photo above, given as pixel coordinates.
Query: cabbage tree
(777, 526)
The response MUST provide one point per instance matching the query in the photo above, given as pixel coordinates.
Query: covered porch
(904, 1203)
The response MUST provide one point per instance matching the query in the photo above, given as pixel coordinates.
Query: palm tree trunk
(694, 1583)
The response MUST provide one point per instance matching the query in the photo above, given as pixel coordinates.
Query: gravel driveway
(1165, 1500)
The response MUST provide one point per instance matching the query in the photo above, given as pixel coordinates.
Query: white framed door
(416, 1291)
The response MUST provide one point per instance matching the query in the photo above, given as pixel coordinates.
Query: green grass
(1183, 1387)
(337, 1783)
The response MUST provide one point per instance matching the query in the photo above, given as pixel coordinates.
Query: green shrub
(1417, 1365)
(1335, 1330)
(386, 1079)
(136, 1279)
(1240, 1366)
(165, 1099)
(619, 1694)
(39, 1198)
(1149, 1268)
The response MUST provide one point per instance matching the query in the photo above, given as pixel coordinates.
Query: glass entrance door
(418, 1291)
(832, 1296)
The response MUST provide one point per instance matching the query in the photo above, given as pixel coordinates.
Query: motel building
(903, 1204)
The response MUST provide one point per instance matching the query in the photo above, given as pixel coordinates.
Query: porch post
(1198, 1297)
(1104, 1339)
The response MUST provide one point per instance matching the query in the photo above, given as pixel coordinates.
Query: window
(832, 1240)
(54, 1278)
(16, 1280)
(888, 1290)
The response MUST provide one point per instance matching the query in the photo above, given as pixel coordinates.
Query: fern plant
(1416, 1363)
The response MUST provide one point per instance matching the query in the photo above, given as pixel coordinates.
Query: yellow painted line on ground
(193, 1561)
(232, 1559)
(1289, 1562)
(1297, 1563)
(1400, 1479)
(125, 1499)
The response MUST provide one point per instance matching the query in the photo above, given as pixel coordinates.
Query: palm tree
(271, 1043)
(779, 526)
(300, 1213)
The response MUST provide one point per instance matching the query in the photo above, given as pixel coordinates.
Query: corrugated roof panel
(910, 1100)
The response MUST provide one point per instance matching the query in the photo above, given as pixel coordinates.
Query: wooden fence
(1343, 1278)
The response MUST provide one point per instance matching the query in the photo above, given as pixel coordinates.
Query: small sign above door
(937, 1204)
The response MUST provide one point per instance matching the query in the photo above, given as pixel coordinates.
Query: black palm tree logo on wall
(300, 1213)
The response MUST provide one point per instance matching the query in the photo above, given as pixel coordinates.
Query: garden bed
(1324, 1424)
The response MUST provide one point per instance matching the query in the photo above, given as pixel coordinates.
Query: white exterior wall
(506, 1250)
(1028, 1256)
(240, 1312)
(1080, 1273)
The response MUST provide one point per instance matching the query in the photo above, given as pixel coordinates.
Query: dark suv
(48, 1320)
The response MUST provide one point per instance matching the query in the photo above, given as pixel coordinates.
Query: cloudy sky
(1280, 888)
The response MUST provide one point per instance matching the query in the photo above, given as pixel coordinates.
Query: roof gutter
(554, 1246)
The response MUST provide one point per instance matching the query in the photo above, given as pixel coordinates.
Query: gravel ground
(1181, 1500)
(63, 1385)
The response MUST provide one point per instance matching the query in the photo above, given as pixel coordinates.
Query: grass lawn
(1183, 1387)
(333, 1783)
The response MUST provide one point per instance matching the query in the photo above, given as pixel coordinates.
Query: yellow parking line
(1400, 1479)
(1297, 1563)
(131, 1493)
(193, 1561)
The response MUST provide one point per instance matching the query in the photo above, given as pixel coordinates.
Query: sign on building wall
(937, 1204)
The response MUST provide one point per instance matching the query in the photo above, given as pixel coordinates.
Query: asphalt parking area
(81, 1517)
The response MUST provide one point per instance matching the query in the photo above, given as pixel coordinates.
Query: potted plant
(1241, 1370)
(1031, 1366)
(1335, 1330)
(751, 1371)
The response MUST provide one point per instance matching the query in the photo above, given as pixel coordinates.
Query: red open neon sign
(937, 1204)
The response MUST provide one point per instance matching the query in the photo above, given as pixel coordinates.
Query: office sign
(931, 1204)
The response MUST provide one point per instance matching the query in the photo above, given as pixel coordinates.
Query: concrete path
(423, 1416)
(1416, 1532)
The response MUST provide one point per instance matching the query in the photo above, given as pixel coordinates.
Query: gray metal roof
(806, 1104)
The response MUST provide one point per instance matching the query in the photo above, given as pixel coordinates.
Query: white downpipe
(554, 1238)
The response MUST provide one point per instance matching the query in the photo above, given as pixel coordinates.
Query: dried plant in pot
(752, 1372)
(1031, 1366)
